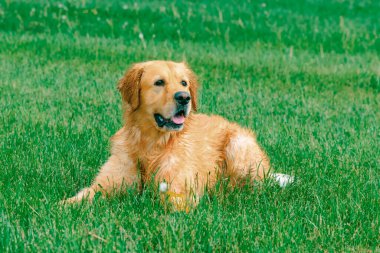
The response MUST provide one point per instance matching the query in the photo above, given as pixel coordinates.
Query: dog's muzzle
(182, 99)
(176, 121)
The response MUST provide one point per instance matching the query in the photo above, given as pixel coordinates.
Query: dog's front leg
(114, 176)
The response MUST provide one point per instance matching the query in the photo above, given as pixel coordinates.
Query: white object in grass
(282, 179)
(163, 187)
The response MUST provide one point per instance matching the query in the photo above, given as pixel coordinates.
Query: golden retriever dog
(165, 141)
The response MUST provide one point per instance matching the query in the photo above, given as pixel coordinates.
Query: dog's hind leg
(244, 157)
(282, 179)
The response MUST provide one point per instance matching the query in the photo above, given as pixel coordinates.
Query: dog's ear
(129, 85)
(193, 87)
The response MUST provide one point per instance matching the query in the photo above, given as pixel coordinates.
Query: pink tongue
(178, 119)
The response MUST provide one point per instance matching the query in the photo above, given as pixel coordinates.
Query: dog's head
(163, 92)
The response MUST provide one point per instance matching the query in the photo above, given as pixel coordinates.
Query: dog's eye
(159, 83)
(184, 83)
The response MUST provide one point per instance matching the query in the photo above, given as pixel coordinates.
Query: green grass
(305, 75)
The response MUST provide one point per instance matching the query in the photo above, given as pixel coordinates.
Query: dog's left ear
(193, 87)
(129, 85)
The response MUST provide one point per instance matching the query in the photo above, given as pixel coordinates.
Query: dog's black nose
(182, 97)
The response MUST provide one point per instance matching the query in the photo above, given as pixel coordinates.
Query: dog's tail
(282, 180)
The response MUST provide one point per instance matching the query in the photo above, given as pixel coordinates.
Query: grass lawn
(305, 75)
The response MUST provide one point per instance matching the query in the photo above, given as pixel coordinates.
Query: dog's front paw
(87, 194)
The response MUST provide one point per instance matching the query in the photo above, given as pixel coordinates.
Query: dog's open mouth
(174, 122)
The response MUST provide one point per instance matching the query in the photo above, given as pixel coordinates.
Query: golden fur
(187, 158)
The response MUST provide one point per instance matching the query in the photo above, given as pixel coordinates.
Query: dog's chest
(160, 166)
(183, 158)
